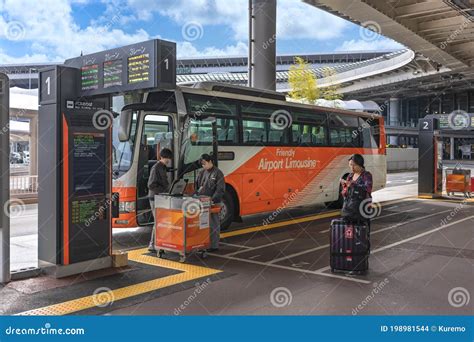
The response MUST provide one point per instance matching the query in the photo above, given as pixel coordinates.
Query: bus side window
(370, 132)
(343, 130)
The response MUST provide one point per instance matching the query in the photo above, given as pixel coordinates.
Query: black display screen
(89, 162)
(113, 71)
(90, 77)
(87, 211)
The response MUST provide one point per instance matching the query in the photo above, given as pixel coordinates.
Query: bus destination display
(139, 68)
(88, 163)
(146, 65)
(90, 77)
(113, 71)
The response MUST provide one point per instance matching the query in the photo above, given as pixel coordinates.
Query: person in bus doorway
(356, 189)
(210, 182)
(158, 183)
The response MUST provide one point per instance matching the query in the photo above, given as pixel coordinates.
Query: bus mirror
(125, 125)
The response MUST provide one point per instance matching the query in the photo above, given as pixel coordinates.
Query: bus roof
(235, 92)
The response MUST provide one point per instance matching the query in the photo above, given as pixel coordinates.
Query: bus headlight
(127, 207)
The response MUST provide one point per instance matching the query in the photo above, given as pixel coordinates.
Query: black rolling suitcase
(349, 246)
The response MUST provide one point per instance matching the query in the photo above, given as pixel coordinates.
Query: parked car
(15, 158)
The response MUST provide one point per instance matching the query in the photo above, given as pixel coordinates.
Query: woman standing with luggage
(357, 191)
(350, 235)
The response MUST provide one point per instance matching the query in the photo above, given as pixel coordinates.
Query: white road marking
(258, 247)
(380, 217)
(254, 256)
(408, 239)
(421, 235)
(298, 254)
(300, 264)
(343, 277)
(371, 233)
(234, 245)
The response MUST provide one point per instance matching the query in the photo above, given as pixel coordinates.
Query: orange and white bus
(274, 153)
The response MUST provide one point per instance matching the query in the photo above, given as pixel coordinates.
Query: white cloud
(295, 19)
(187, 49)
(379, 44)
(48, 25)
(34, 58)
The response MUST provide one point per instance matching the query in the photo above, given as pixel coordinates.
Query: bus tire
(227, 213)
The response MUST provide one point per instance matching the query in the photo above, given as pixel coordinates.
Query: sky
(33, 31)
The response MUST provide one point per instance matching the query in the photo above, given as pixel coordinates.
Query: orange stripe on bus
(267, 177)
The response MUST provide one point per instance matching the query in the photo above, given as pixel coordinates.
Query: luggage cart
(182, 225)
(458, 180)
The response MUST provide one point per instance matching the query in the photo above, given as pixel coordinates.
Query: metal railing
(24, 185)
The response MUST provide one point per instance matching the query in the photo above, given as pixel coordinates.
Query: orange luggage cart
(182, 225)
(458, 180)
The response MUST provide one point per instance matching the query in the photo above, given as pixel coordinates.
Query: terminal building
(428, 87)
(433, 75)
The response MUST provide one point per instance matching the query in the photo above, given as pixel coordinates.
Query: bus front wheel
(227, 212)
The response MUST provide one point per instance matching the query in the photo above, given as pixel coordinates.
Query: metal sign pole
(4, 179)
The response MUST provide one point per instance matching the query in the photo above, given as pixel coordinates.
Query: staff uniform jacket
(211, 183)
(158, 182)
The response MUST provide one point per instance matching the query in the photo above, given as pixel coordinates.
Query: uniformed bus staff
(158, 183)
(210, 182)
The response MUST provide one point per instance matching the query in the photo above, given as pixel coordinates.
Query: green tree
(302, 82)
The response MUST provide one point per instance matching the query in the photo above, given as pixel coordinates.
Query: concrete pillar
(34, 146)
(262, 44)
(394, 117)
(4, 179)
(452, 155)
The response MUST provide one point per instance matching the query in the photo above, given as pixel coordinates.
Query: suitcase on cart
(349, 246)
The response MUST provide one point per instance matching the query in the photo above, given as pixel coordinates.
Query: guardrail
(24, 186)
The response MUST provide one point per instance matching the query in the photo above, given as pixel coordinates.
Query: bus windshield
(122, 153)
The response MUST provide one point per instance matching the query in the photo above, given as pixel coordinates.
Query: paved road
(418, 258)
(404, 178)
(24, 224)
(421, 251)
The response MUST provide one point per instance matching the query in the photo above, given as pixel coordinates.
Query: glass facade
(411, 109)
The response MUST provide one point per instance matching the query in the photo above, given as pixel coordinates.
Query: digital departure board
(113, 71)
(88, 160)
(139, 68)
(456, 121)
(86, 210)
(90, 77)
(147, 65)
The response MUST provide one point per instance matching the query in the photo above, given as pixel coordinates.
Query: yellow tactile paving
(189, 272)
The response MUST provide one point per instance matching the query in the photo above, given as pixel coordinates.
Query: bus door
(199, 137)
(156, 134)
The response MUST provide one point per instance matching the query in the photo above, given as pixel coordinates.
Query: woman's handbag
(351, 209)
